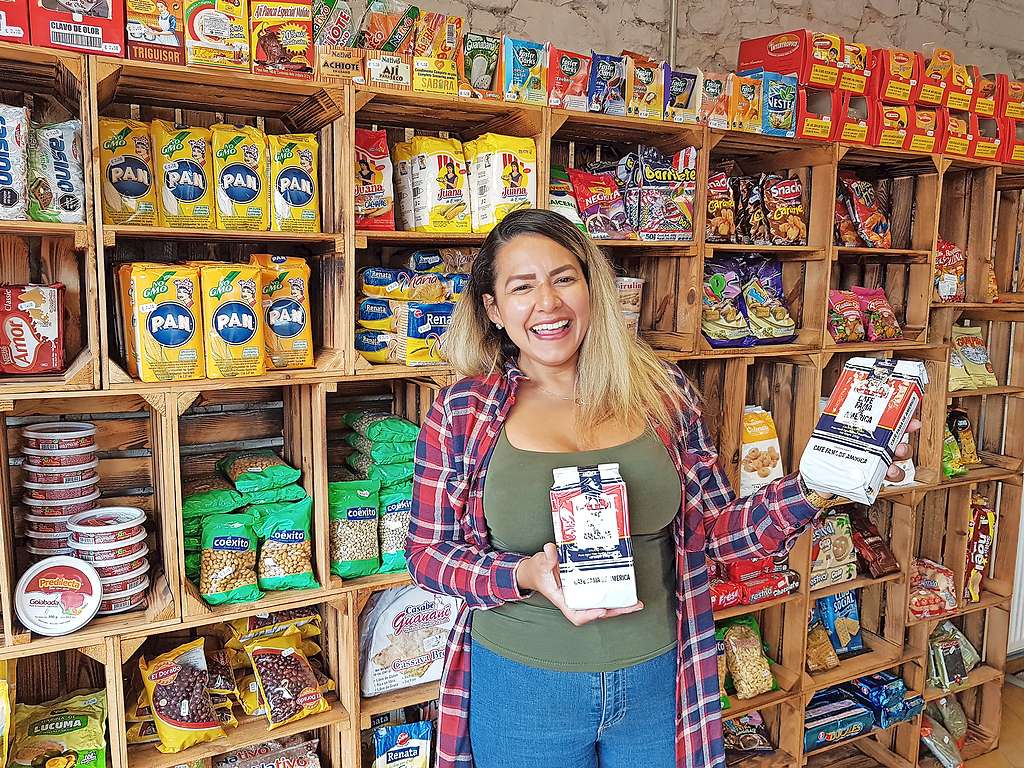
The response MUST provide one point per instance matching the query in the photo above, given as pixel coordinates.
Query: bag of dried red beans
(287, 681)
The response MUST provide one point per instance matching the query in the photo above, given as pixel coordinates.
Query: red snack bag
(872, 223)
(600, 205)
(769, 586)
(879, 318)
(725, 594)
(979, 545)
(31, 328)
(845, 322)
(845, 229)
(950, 273)
(745, 570)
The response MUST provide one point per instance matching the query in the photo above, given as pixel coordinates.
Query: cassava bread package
(402, 636)
(860, 427)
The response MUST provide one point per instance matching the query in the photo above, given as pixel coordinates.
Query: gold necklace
(557, 396)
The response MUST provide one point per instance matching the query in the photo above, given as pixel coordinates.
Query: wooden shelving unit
(154, 436)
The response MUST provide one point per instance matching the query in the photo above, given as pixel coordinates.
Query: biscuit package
(286, 316)
(13, 158)
(683, 89)
(760, 462)
(980, 537)
(31, 328)
(645, 87)
(503, 177)
(969, 343)
(440, 187)
(217, 34)
(568, 78)
(126, 162)
(184, 166)
(374, 182)
(294, 162)
(525, 71)
(840, 615)
(240, 167)
(56, 182)
(165, 304)
(232, 319)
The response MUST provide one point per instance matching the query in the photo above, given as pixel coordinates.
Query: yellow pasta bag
(503, 172)
(234, 328)
(289, 337)
(166, 318)
(183, 166)
(440, 186)
(126, 159)
(293, 170)
(240, 167)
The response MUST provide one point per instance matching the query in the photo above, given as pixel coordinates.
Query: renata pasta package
(503, 177)
(374, 190)
(440, 187)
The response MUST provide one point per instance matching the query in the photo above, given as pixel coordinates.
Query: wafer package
(56, 181)
(595, 552)
(863, 422)
(13, 158)
(31, 328)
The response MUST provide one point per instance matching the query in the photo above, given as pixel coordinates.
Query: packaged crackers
(503, 177)
(293, 172)
(56, 183)
(841, 617)
(240, 167)
(233, 320)
(863, 422)
(14, 182)
(440, 189)
(288, 334)
(184, 165)
(127, 193)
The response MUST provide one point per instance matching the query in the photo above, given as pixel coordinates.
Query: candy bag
(845, 322)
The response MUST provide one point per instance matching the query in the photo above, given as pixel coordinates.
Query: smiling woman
(553, 379)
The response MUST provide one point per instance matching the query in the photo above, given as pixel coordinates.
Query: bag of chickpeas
(227, 568)
(395, 514)
(257, 470)
(353, 511)
(286, 554)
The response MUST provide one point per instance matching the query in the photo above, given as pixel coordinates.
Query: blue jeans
(525, 716)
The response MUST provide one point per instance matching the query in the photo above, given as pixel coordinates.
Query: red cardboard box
(96, 29)
(817, 112)
(934, 78)
(1012, 135)
(853, 124)
(1009, 97)
(895, 76)
(984, 101)
(986, 143)
(855, 75)
(960, 88)
(281, 37)
(924, 130)
(956, 138)
(891, 125)
(14, 21)
(154, 31)
(813, 57)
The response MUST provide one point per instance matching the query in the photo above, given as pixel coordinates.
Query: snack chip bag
(374, 190)
(959, 423)
(14, 127)
(607, 87)
(950, 273)
(767, 316)
(659, 196)
(871, 222)
(751, 219)
(952, 460)
(286, 312)
(184, 166)
(720, 226)
(440, 186)
(232, 315)
(970, 344)
(821, 655)
(503, 177)
(600, 205)
(841, 617)
(295, 202)
(167, 317)
(845, 322)
(478, 66)
(722, 322)
(563, 199)
(959, 378)
(760, 461)
(525, 73)
(240, 167)
(845, 230)
(879, 318)
(56, 181)
(68, 730)
(126, 162)
(175, 685)
(750, 669)
(784, 209)
(568, 78)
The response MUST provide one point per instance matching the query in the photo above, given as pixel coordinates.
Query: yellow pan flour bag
(126, 158)
(502, 176)
(289, 337)
(240, 168)
(168, 342)
(184, 168)
(129, 325)
(293, 169)
(439, 186)
(233, 320)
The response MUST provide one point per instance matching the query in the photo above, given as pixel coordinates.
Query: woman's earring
(499, 326)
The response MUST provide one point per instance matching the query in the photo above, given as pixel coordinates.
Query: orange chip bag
(879, 319)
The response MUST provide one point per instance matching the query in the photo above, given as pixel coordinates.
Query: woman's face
(542, 300)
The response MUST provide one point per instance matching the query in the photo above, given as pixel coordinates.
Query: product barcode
(450, 38)
(78, 37)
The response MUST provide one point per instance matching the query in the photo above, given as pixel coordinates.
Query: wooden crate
(967, 218)
(53, 85)
(132, 434)
(289, 420)
(145, 91)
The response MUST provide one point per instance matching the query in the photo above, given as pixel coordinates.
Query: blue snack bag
(841, 617)
(402, 746)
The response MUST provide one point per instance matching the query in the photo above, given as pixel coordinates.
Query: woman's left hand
(895, 474)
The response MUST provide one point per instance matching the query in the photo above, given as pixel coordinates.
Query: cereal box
(503, 177)
(760, 461)
(288, 334)
(595, 553)
(232, 320)
(441, 195)
(480, 67)
(568, 78)
(31, 328)
(524, 71)
(167, 316)
(14, 21)
(217, 34)
(683, 90)
(126, 162)
(863, 422)
(183, 163)
(607, 87)
(92, 26)
(281, 32)
(645, 88)
(374, 190)
(240, 167)
(294, 160)
(155, 31)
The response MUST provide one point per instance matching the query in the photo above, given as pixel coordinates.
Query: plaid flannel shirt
(449, 549)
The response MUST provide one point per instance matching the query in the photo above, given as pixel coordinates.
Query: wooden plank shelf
(844, 250)
(859, 583)
(78, 232)
(879, 654)
(367, 371)
(781, 251)
(980, 675)
(742, 610)
(386, 702)
(376, 582)
(113, 234)
(780, 758)
(365, 238)
(985, 392)
(567, 125)
(740, 707)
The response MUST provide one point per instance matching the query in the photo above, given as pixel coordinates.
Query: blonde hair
(617, 377)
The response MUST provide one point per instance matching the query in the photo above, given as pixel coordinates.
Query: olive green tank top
(517, 508)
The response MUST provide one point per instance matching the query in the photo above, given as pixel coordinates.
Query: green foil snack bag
(257, 470)
(381, 427)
